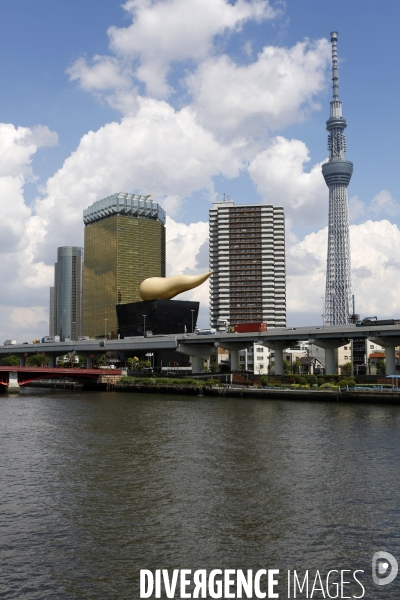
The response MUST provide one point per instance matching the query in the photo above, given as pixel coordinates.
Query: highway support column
(389, 343)
(196, 352)
(329, 347)
(278, 347)
(234, 349)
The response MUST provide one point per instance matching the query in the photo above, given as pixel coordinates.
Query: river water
(96, 486)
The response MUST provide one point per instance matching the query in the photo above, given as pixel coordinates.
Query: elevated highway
(199, 346)
(326, 337)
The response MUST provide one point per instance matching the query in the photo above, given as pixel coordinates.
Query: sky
(189, 100)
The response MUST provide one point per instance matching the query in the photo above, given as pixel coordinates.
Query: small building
(310, 365)
(373, 359)
(255, 359)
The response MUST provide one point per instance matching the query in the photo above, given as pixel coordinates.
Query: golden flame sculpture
(165, 288)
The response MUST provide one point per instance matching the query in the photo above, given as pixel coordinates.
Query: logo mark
(381, 561)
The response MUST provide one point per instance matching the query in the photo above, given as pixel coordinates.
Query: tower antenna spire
(337, 174)
(335, 72)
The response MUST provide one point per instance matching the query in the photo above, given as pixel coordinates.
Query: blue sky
(188, 101)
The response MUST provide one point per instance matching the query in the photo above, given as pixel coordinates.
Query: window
(345, 348)
(346, 357)
(371, 346)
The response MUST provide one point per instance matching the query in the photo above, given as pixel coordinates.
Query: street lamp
(105, 328)
(144, 324)
(192, 311)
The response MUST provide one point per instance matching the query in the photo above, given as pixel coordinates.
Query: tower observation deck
(337, 173)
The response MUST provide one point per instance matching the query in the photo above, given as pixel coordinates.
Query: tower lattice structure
(337, 174)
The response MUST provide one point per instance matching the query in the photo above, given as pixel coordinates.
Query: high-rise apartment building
(124, 244)
(66, 295)
(247, 257)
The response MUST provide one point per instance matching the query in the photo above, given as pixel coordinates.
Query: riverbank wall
(364, 397)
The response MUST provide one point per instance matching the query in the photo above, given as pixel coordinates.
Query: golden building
(124, 244)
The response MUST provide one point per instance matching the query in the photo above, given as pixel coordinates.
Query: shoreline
(365, 397)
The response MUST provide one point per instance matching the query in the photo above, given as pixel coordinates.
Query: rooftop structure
(130, 205)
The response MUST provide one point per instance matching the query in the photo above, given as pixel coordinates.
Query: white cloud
(357, 208)
(163, 32)
(277, 89)
(19, 144)
(183, 245)
(104, 74)
(384, 204)
(279, 175)
(186, 246)
(374, 257)
(41, 136)
(158, 151)
(23, 280)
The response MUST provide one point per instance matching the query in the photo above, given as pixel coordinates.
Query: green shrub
(347, 382)
(325, 386)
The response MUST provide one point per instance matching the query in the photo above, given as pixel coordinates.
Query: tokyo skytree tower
(337, 174)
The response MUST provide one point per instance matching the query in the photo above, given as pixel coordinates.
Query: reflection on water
(96, 486)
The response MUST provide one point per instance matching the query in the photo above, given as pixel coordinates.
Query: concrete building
(255, 359)
(66, 294)
(343, 355)
(247, 257)
(124, 244)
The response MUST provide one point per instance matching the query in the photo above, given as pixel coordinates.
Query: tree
(380, 367)
(260, 368)
(312, 379)
(10, 361)
(347, 369)
(100, 361)
(133, 363)
(296, 368)
(286, 367)
(37, 360)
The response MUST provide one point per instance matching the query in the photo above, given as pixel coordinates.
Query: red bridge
(24, 375)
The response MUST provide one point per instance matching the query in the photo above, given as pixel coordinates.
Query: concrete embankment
(181, 390)
(386, 397)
